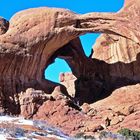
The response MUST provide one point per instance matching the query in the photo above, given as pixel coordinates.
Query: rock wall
(115, 59)
(120, 54)
(120, 110)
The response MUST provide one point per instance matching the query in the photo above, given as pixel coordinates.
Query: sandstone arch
(36, 36)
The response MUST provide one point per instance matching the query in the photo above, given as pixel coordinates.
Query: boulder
(120, 110)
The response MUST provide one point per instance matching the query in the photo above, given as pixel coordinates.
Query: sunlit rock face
(68, 80)
(120, 54)
(120, 110)
(115, 59)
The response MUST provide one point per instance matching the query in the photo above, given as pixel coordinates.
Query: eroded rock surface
(120, 110)
(115, 59)
(31, 100)
(63, 113)
(124, 102)
(68, 80)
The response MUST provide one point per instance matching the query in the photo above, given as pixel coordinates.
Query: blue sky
(8, 8)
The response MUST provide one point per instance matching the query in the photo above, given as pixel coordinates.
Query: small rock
(85, 108)
(115, 121)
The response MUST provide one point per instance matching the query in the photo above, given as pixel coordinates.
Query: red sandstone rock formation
(27, 47)
(68, 80)
(121, 106)
(116, 55)
(120, 110)
(62, 113)
(121, 53)
(31, 100)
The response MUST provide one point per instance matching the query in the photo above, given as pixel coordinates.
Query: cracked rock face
(35, 37)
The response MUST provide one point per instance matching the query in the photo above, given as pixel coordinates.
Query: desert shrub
(135, 135)
(109, 135)
(84, 137)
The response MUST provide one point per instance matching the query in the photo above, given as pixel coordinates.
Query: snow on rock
(21, 129)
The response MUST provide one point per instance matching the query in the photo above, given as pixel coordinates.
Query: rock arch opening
(53, 70)
(87, 41)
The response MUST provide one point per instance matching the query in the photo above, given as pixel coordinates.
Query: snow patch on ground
(16, 120)
(13, 128)
(2, 137)
(25, 122)
(7, 118)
